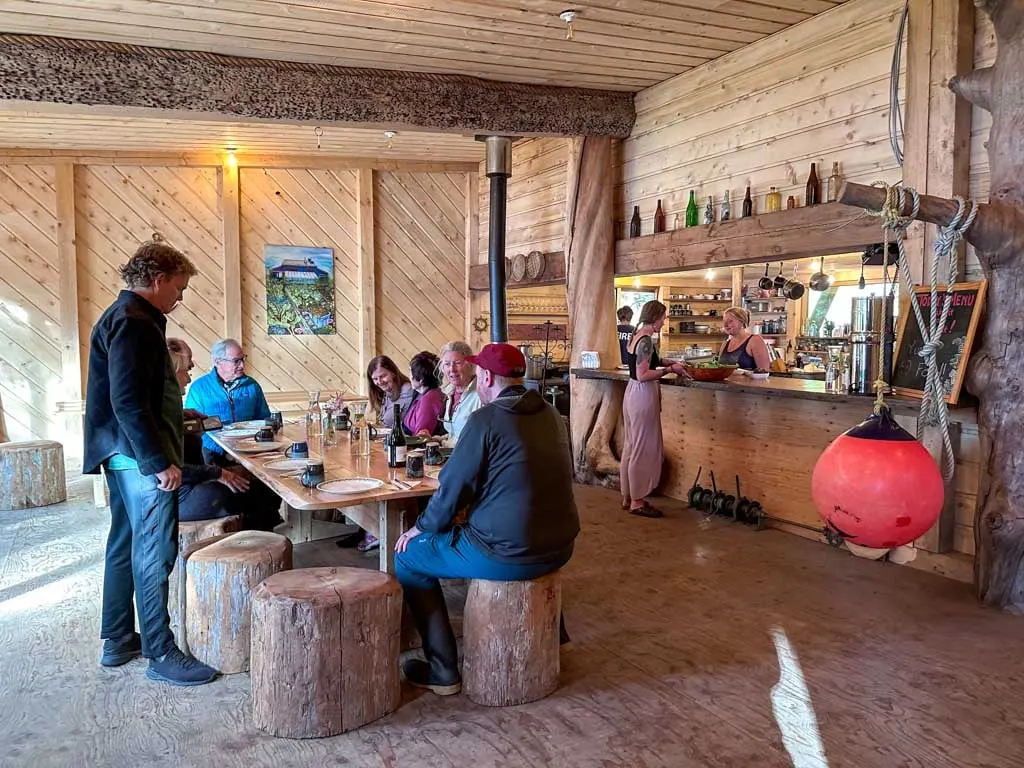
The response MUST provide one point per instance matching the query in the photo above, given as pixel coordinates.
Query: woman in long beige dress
(643, 448)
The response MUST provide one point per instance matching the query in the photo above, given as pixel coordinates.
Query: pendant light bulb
(569, 17)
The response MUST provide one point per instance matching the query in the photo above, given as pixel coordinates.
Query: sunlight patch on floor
(794, 712)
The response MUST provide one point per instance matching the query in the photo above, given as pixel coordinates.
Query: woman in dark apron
(742, 348)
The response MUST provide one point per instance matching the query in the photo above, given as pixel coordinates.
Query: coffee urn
(867, 335)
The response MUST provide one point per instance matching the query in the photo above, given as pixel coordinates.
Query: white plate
(237, 434)
(285, 464)
(350, 485)
(254, 446)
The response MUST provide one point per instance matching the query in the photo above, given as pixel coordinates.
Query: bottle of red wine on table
(396, 441)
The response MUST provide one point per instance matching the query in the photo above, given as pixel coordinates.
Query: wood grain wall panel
(981, 122)
(120, 207)
(307, 208)
(761, 115)
(30, 354)
(536, 209)
(420, 235)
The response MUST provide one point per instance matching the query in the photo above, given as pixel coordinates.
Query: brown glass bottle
(634, 223)
(748, 204)
(659, 219)
(813, 193)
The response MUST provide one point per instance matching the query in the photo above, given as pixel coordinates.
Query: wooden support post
(367, 272)
(72, 371)
(737, 286)
(940, 45)
(232, 239)
(472, 241)
(590, 255)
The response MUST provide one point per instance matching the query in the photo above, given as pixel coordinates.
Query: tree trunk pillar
(596, 405)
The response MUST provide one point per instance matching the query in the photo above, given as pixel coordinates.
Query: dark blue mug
(297, 450)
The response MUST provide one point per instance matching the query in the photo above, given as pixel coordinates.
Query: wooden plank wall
(535, 216)
(117, 207)
(68, 222)
(817, 92)
(30, 311)
(420, 235)
(300, 207)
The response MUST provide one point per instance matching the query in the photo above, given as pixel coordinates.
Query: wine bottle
(835, 181)
(709, 211)
(813, 192)
(659, 219)
(396, 441)
(634, 223)
(726, 207)
(748, 204)
(691, 211)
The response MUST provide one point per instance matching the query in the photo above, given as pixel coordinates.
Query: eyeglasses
(233, 360)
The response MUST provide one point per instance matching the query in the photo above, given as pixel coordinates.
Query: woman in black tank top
(643, 447)
(742, 348)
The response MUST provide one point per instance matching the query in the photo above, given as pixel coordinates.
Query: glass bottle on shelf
(634, 223)
(691, 211)
(726, 207)
(675, 221)
(709, 211)
(659, 219)
(790, 203)
(748, 204)
(835, 181)
(813, 191)
(314, 418)
(773, 201)
(330, 436)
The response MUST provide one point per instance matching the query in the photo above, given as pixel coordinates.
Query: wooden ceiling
(619, 44)
(66, 127)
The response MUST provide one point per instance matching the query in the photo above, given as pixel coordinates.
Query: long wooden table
(380, 511)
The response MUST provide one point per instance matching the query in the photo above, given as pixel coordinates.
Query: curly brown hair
(152, 259)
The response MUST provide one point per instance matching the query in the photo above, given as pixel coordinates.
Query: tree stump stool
(324, 650)
(31, 474)
(219, 581)
(190, 534)
(510, 640)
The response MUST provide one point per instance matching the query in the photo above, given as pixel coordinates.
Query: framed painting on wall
(300, 290)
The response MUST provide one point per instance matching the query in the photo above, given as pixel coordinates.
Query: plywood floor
(694, 646)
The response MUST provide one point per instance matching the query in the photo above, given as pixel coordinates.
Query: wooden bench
(324, 650)
(219, 581)
(32, 474)
(510, 640)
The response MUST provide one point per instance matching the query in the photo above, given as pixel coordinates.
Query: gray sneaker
(118, 652)
(178, 669)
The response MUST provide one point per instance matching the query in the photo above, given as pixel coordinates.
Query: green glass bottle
(692, 218)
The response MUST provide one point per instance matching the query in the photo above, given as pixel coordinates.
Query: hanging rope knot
(930, 348)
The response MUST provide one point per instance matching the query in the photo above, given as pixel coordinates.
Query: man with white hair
(512, 469)
(226, 392)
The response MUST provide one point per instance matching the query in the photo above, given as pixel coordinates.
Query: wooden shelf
(700, 301)
(536, 314)
(820, 230)
(670, 316)
(695, 335)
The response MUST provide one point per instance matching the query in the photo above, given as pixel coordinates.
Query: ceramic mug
(297, 450)
(265, 435)
(313, 474)
(414, 463)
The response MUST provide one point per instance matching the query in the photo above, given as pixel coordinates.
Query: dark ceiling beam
(62, 70)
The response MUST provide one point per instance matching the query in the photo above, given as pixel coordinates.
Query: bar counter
(769, 432)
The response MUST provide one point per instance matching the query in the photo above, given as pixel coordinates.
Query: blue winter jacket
(241, 400)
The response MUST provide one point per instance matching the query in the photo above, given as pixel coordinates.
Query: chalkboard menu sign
(910, 372)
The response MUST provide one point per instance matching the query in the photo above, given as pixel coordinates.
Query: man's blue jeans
(451, 555)
(141, 548)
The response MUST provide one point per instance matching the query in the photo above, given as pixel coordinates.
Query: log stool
(190, 534)
(324, 650)
(510, 640)
(219, 581)
(31, 474)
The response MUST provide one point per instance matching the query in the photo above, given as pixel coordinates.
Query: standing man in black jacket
(512, 470)
(134, 429)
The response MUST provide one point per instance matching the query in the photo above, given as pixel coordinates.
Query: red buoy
(877, 485)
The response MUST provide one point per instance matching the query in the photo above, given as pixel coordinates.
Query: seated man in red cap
(512, 471)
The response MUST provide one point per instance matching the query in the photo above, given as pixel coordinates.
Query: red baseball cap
(502, 359)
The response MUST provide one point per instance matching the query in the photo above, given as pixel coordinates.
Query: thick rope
(934, 410)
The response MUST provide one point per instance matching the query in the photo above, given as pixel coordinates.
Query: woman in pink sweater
(423, 417)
